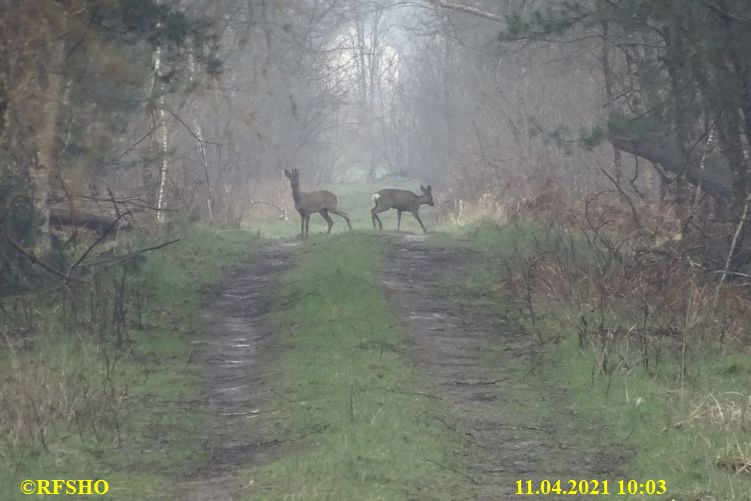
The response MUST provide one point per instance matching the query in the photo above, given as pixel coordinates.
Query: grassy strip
(355, 406)
(677, 427)
(159, 417)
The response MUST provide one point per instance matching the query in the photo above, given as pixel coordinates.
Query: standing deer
(401, 200)
(306, 203)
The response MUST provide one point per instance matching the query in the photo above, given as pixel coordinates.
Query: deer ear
(287, 173)
(428, 189)
(422, 187)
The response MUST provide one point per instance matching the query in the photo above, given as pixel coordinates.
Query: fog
(375, 249)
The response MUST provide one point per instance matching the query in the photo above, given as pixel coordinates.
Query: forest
(375, 249)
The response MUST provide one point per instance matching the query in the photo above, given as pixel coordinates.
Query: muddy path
(234, 347)
(461, 346)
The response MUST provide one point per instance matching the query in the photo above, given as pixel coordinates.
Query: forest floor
(465, 376)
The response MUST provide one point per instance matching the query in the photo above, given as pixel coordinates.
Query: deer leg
(414, 213)
(398, 219)
(343, 214)
(307, 224)
(302, 226)
(329, 221)
(374, 216)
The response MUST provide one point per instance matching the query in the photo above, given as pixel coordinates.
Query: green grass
(676, 427)
(678, 430)
(161, 423)
(355, 412)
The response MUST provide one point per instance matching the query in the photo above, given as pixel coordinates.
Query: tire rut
(460, 345)
(233, 349)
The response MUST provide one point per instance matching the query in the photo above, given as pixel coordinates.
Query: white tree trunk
(163, 134)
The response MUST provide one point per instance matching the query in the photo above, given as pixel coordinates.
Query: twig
(132, 146)
(391, 390)
(129, 255)
(35, 260)
(632, 181)
(470, 478)
(114, 202)
(98, 240)
(478, 383)
(191, 131)
(728, 15)
(282, 210)
(617, 185)
(731, 253)
(135, 202)
(467, 10)
(734, 273)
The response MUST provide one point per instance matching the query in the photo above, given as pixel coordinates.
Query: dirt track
(459, 345)
(234, 347)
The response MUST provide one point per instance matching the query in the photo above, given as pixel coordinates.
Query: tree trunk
(716, 178)
(610, 101)
(163, 146)
(46, 140)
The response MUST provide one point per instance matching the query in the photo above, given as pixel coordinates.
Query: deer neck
(296, 193)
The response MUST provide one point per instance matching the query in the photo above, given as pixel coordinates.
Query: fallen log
(99, 223)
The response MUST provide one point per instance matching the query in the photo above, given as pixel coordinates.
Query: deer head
(426, 197)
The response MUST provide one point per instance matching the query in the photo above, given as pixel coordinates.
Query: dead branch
(476, 383)
(97, 242)
(623, 194)
(734, 244)
(119, 259)
(81, 219)
(443, 466)
(191, 131)
(733, 273)
(35, 260)
(466, 9)
(282, 210)
(134, 145)
(134, 201)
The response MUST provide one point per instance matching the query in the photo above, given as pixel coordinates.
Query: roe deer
(306, 203)
(401, 200)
